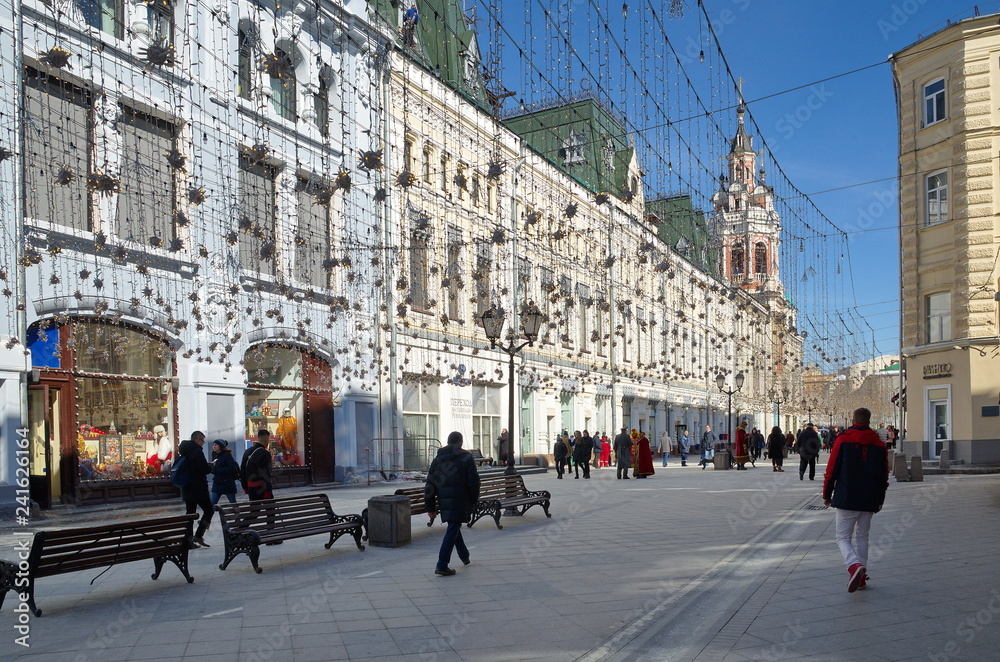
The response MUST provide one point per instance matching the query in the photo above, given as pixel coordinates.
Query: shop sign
(937, 370)
(461, 408)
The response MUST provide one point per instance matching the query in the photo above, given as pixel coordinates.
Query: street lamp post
(720, 381)
(809, 405)
(492, 321)
(779, 399)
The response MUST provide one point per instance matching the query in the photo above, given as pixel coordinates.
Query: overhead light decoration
(56, 57)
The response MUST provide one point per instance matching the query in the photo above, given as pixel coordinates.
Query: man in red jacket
(857, 477)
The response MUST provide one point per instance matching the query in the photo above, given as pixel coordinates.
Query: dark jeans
(191, 507)
(807, 462)
(452, 540)
(562, 466)
(218, 495)
(622, 472)
(684, 457)
(583, 462)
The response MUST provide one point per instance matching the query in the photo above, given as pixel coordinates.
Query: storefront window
(420, 425)
(125, 402)
(275, 401)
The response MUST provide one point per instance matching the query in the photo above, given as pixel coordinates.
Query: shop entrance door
(44, 406)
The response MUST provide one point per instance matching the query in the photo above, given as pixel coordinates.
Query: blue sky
(679, 108)
(839, 133)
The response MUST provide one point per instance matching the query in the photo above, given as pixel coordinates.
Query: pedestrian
(684, 445)
(776, 448)
(452, 489)
(891, 435)
(623, 453)
(808, 445)
(665, 443)
(741, 450)
(255, 474)
(595, 453)
(582, 449)
(644, 458)
(708, 441)
(605, 450)
(789, 443)
(225, 472)
(195, 493)
(857, 477)
(756, 443)
(560, 451)
(503, 441)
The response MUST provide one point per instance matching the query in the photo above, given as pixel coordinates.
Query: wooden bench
(249, 524)
(417, 505)
(497, 493)
(477, 455)
(69, 550)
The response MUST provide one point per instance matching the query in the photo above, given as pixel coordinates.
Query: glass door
(939, 427)
(43, 440)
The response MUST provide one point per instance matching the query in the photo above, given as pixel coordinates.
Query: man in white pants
(857, 477)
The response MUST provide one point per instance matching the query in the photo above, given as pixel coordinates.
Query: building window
(737, 260)
(258, 232)
(937, 198)
(419, 238)
(57, 136)
(276, 400)
(453, 277)
(108, 16)
(476, 190)
(938, 317)
(160, 16)
(934, 100)
(599, 326)
(247, 36)
(572, 149)
(444, 172)
(284, 90)
(147, 200)
(312, 239)
(484, 266)
(425, 168)
(420, 405)
(321, 101)
(760, 258)
(486, 409)
(408, 155)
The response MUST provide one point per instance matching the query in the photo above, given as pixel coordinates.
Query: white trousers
(853, 524)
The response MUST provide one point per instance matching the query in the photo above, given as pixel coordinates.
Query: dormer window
(572, 149)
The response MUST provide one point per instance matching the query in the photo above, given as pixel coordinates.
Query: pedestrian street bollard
(916, 468)
(721, 459)
(899, 470)
(389, 521)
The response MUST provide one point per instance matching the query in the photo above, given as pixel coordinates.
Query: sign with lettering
(937, 370)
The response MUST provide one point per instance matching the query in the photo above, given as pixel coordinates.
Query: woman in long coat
(742, 448)
(775, 448)
(644, 461)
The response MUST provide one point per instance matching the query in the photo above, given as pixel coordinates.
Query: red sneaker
(863, 583)
(857, 573)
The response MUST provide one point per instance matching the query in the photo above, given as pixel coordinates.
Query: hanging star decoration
(496, 170)
(343, 180)
(570, 210)
(532, 217)
(257, 154)
(103, 183)
(56, 57)
(176, 160)
(5, 154)
(197, 195)
(371, 159)
(159, 54)
(406, 179)
(277, 66)
(601, 198)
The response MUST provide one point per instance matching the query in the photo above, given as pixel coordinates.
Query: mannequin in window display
(287, 432)
(158, 459)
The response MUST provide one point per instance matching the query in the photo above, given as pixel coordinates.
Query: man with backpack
(255, 474)
(190, 473)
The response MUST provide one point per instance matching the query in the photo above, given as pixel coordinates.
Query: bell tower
(744, 227)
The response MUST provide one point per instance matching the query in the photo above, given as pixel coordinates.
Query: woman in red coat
(742, 449)
(644, 459)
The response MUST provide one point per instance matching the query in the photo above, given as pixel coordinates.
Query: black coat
(583, 449)
(776, 444)
(256, 466)
(198, 468)
(225, 472)
(452, 487)
(808, 444)
(560, 451)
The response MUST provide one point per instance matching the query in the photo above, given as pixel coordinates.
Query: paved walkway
(687, 565)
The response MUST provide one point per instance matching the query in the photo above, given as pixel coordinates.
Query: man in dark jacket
(452, 489)
(195, 493)
(857, 477)
(807, 445)
(560, 452)
(623, 453)
(255, 474)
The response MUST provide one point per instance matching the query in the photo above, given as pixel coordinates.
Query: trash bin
(721, 459)
(389, 521)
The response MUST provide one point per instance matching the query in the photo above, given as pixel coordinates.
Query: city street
(686, 565)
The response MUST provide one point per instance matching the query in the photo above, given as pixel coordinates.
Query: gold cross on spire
(739, 85)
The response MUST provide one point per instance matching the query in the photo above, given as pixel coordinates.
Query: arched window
(284, 89)
(760, 258)
(737, 260)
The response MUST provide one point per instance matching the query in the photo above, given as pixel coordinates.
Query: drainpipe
(611, 323)
(899, 198)
(514, 312)
(20, 240)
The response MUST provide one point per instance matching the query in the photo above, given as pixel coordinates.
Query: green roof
(683, 228)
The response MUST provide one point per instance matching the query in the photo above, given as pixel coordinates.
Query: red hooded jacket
(857, 474)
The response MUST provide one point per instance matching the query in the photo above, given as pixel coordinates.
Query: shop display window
(124, 402)
(275, 401)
